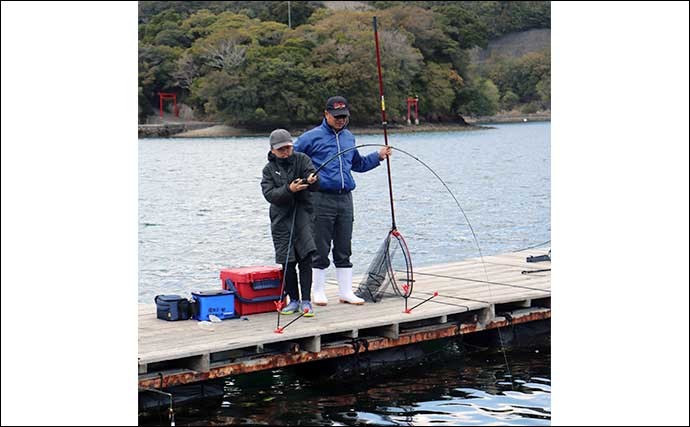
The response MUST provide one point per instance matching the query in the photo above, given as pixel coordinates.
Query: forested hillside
(240, 63)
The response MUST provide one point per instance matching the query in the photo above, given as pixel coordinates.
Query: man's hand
(385, 152)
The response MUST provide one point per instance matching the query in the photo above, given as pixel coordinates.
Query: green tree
(344, 55)
(440, 83)
(145, 108)
(300, 11)
(509, 100)
(251, 75)
(174, 37)
(166, 20)
(283, 80)
(425, 27)
(222, 97)
(480, 98)
(543, 88)
(503, 17)
(238, 62)
(522, 75)
(463, 26)
(198, 25)
(156, 70)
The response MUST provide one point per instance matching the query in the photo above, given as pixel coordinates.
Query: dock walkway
(517, 291)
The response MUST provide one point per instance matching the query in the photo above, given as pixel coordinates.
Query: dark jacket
(277, 176)
(322, 143)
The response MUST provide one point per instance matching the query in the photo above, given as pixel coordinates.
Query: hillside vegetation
(240, 63)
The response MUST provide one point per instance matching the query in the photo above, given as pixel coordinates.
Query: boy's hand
(297, 185)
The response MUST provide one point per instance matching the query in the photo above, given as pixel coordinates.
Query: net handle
(384, 122)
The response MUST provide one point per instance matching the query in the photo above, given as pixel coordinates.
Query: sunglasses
(340, 117)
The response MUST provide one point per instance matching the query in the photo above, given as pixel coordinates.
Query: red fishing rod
(390, 245)
(384, 122)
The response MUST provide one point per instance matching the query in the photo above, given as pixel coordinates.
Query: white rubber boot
(345, 285)
(318, 286)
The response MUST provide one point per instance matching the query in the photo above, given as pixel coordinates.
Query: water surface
(201, 207)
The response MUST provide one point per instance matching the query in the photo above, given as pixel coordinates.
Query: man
(334, 211)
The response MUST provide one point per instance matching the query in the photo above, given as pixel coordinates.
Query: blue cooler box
(220, 303)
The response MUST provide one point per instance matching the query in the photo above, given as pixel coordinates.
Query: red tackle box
(256, 289)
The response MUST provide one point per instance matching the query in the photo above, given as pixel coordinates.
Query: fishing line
(532, 247)
(483, 281)
(474, 235)
(171, 412)
(380, 273)
(469, 224)
(392, 294)
(454, 297)
(408, 286)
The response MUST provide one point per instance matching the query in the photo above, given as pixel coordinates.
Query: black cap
(337, 106)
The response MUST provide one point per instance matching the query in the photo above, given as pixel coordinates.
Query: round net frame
(391, 268)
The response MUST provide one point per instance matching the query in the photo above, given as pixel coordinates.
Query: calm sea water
(450, 388)
(201, 210)
(201, 207)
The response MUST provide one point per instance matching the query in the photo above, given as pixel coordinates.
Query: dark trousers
(334, 215)
(304, 277)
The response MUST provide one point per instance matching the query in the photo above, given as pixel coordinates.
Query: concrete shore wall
(166, 130)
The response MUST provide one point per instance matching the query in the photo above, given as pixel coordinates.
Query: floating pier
(473, 296)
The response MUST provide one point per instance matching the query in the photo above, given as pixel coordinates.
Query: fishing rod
(467, 308)
(469, 224)
(535, 271)
(534, 246)
(474, 235)
(384, 123)
(279, 303)
(466, 279)
(382, 263)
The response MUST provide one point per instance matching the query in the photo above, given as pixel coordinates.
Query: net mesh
(390, 271)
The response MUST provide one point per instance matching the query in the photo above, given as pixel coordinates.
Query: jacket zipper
(340, 159)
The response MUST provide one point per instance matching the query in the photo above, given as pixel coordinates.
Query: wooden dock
(517, 291)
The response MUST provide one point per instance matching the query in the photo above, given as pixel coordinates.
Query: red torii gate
(167, 95)
(413, 101)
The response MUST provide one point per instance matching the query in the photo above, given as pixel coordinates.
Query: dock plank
(469, 285)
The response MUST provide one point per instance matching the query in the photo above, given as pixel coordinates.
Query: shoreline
(215, 130)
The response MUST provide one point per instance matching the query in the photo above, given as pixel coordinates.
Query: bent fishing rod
(469, 224)
(474, 235)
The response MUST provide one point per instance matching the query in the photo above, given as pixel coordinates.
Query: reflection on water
(453, 388)
(201, 207)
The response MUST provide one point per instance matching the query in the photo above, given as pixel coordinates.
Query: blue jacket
(322, 143)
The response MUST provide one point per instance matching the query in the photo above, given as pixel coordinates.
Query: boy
(286, 176)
